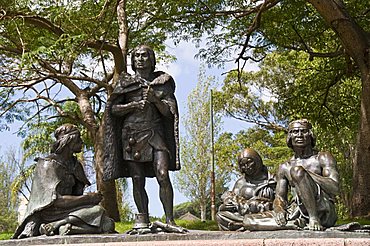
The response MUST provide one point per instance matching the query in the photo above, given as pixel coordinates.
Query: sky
(185, 72)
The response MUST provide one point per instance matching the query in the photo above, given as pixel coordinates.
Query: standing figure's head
(143, 57)
(67, 135)
(300, 134)
(250, 162)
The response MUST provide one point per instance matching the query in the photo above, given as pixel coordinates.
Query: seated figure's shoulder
(282, 170)
(238, 185)
(240, 182)
(325, 157)
(47, 166)
(284, 166)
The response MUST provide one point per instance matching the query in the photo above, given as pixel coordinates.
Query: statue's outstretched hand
(95, 198)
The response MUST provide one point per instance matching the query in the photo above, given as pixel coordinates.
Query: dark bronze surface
(252, 194)
(141, 137)
(314, 179)
(57, 205)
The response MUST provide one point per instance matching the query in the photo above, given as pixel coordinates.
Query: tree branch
(33, 20)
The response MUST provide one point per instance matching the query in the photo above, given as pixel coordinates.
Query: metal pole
(213, 192)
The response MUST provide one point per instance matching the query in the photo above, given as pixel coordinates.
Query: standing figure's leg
(161, 161)
(138, 185)
(306, 189)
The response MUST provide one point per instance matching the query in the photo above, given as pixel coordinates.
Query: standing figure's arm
(159, 100)
(281, 196)
(123, 109)
(119, 105)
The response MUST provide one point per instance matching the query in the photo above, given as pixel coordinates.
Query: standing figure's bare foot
(47, 229)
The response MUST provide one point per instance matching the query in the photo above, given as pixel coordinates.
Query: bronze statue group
(259, 200)
(141, 140)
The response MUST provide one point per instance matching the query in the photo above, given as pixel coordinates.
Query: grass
(208, 225)
(361, 221)
(122, 227)
(6, 235)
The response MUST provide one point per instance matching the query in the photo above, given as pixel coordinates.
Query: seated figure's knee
(297, 173)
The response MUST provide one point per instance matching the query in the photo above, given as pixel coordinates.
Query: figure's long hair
(151, 56)
(64, 135)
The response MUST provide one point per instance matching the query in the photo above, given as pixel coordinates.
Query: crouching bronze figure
(314, 179)
(253, 193)
(57, 205)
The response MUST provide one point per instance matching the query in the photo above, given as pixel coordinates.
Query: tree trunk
(203, 211)
(108, 189)
(123, 33)
(361, 169)
(357, 44)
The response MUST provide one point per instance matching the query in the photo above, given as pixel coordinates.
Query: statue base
(214, 238)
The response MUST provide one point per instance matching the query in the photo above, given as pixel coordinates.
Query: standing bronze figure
(252, 193)
(57, 204)
(314, 178)
(141, 138)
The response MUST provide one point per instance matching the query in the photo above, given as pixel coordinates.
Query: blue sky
(185, 72)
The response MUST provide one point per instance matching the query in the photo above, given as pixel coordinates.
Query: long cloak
(114, 164)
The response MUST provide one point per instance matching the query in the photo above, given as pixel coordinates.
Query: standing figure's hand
(149, 95)
(141, 104)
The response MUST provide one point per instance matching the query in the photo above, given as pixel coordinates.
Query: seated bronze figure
(252, 193)
(57, 204)
(314, 180)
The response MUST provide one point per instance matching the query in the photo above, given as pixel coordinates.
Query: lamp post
(213, 192)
